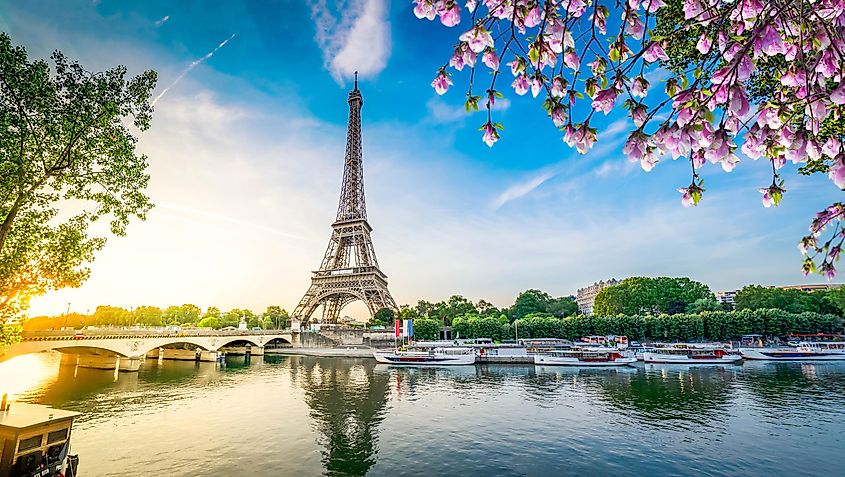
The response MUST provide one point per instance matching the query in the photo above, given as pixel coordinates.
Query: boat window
(30, 443)
(56, 436)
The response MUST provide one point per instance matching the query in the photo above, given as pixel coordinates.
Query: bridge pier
(95, 361)
(69, 359)
(243, 350)
(178, 354)
(130, 364)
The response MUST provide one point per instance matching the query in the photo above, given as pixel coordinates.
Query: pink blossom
(639, 114)
(686, 197)
(605, 99)
(794, 78)
(576, 7)
(744, 68)
(441, 82)
(836, 173)
(520, 85)
(582, 138)
(739, 104)
(653, 5)
(517, 66)
(639, 87)
(490, 59)
(837, 96)
(534, 17)
(470, 5)
(490, 135)
(478, 38)
(424, 9)
(536, 85)
(655, 52)
(559, 86)
(634, 27)
(558, 116)
(698, 159)
(635, 147)
(768, 201)
(451, 16)
(827, 65)
(571, 59)
(704, 43)
(692, 9)
(769, 42)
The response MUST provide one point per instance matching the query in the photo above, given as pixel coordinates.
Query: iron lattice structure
(349, 270)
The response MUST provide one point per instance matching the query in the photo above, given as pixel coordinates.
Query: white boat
(690, 354)
(805, 351)
(584, 357)
(433, 357)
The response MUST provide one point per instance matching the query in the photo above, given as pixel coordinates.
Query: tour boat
(690, 354)
(805, 351)
(584, 357)
(37, 441)
(433, 357)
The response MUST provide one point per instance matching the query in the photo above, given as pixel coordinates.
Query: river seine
(302, 416)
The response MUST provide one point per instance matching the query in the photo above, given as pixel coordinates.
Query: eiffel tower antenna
(349, 271)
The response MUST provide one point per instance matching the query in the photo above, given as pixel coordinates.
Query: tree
(583, 66)
(277, 316)
(147, 315)
(754, 297)
(383, 317)
(659, 295)
(9, 334)
(426, 329)
(562, 307)
(703, 304)
(530, 301)
(64, 137)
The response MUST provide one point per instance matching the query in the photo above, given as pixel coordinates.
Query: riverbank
(349, 352)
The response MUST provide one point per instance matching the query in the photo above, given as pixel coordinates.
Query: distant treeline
(183, 315)
(707, 325)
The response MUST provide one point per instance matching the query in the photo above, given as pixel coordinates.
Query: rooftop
(22, 415)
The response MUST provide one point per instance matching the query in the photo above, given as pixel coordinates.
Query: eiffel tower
(349, 271)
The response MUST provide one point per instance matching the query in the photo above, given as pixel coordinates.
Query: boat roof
(23, 415)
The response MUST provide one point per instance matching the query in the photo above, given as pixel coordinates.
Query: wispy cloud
(162, 20)
(354, 36)
(193, 65)
(522, 188)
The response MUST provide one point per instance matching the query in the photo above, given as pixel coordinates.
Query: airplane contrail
(191, 66)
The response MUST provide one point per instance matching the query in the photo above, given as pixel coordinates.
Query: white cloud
(441, 112)
(356, 38)
(161, 21)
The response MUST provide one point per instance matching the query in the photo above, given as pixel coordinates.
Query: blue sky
(246, 152)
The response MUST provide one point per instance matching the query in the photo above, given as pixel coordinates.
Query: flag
(396, 326)
(408, 328)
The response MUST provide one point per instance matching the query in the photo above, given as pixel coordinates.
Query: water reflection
(348, 401)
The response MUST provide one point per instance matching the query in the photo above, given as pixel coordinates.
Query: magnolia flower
(424, 9)
(477, 38)
(655, 52)
(634, 27)
(653, 5)
(639, 87)
(571, 59)
(836, 173)
(534, 17)
(490, 59)
(704, 43)
(558, 116)
(837, 96)
(520, 85)
(686, 197)
(517, 66)
(769, 41)
(441, 82)
(470, 5)
(605, 99)
(582, 138)
(490, 134)
(451, 16)
(692, 9)
(767, 198)
(639, 115)
(558, 87)
(536, 85)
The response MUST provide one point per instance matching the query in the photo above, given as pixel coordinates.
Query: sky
(246, 154)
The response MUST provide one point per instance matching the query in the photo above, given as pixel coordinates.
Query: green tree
(9, 334)
(64, 136)
(278, 317)
(147, 315)
(530, 301)
(659, 295)
(703, 304)
(426, 329)
(562, 307)
(383, 317)
(753, 297)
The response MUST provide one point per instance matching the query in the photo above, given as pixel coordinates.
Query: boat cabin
(34, 440)
(589, 355)
(751, 341)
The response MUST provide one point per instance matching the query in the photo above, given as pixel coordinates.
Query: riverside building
(586, 297)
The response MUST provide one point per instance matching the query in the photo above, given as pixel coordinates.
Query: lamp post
(66, 314)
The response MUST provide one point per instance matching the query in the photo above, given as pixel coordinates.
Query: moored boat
(690, 354)
(433, 357)
(37, 441)
(584, 357)
(805, 351)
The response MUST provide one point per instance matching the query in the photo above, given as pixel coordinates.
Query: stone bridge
(125, 350)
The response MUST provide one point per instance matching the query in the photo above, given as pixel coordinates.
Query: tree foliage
(426, 329)
(637, 295)
(64, 136)
(753, 297)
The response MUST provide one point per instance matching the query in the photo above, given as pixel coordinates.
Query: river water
(302, 416)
